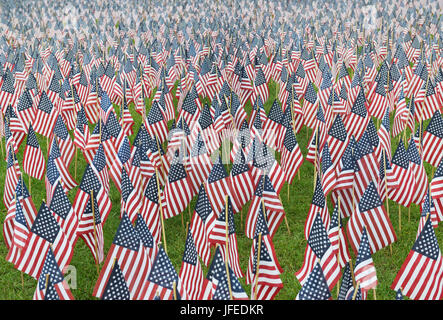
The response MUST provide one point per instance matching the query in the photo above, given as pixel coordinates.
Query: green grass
(289, 246)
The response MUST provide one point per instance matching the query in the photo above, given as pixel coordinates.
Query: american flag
(328, 171)
(191, 272)
(437, 182)
(241, 177)
(162, 280)
(26, 108)
(291, 155)
(310, 106)
(264, 271)
(365, 273)
(384, 134)
(225, 284)
(420, 178)
(33, 159)
(402, 176)
(433, 140)
(116, 286)
(45, 116)
(209, 135)
(260, 87)
(420, 276)
(337, 237)
(319, 249)
(315, 287)
(371, 214)
(318, 206)
(366, 164)
(66, 145)
(45, 232)
(177, 192)
(273, 126)
(51, 284)
(337, 139)
(346, 284)
(150, 207)
(126, 250)
(64, 213)
(224, 234)
(16, 229)
(357, 120)
(7, 90)
(11, 177)
(155, 123)
(218, 186)
(377, 96)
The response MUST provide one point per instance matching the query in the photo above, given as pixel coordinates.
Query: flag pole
(95, 232)
(338, 252)
(161, 210)
(356, 290)
(227, 248)
(286, 219)
(315, 161)
(257, 266)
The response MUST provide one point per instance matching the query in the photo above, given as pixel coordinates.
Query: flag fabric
(364, 272)
(162, 280)
(177, 190)
(33, 159)
(315, 287)
(51, 284)
(371, 215)
(224, 234)
(337, 237)
(433, 140)
(224, 282)
(402, 176)
(127, 252)
(319, 251)
(318, 205)
(201, 225)
(263, 271)
(191, 272)
(45, 233)
(420, 276)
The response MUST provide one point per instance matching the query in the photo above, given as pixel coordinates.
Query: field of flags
(199, 150)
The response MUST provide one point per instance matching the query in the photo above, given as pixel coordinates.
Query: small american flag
(191, 272)
(365, 273)
(33, 159)
(315, 287)
(162, 280)
(421, 273)
(51, 283)
(221, 281)
(319, 249)
(45, 232)
(372, 215)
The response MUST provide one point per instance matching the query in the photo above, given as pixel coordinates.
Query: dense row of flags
(344, 83)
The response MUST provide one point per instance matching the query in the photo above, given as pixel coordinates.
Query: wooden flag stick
(95, 232)
(46, 283)
(75, 164)
(375, 295)
(227, 249)
(161, 211)
(338, 251)
(257, 266)
(399, 217)
(174, 288)
(356, 290)
(315, 162)
(286, 220)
